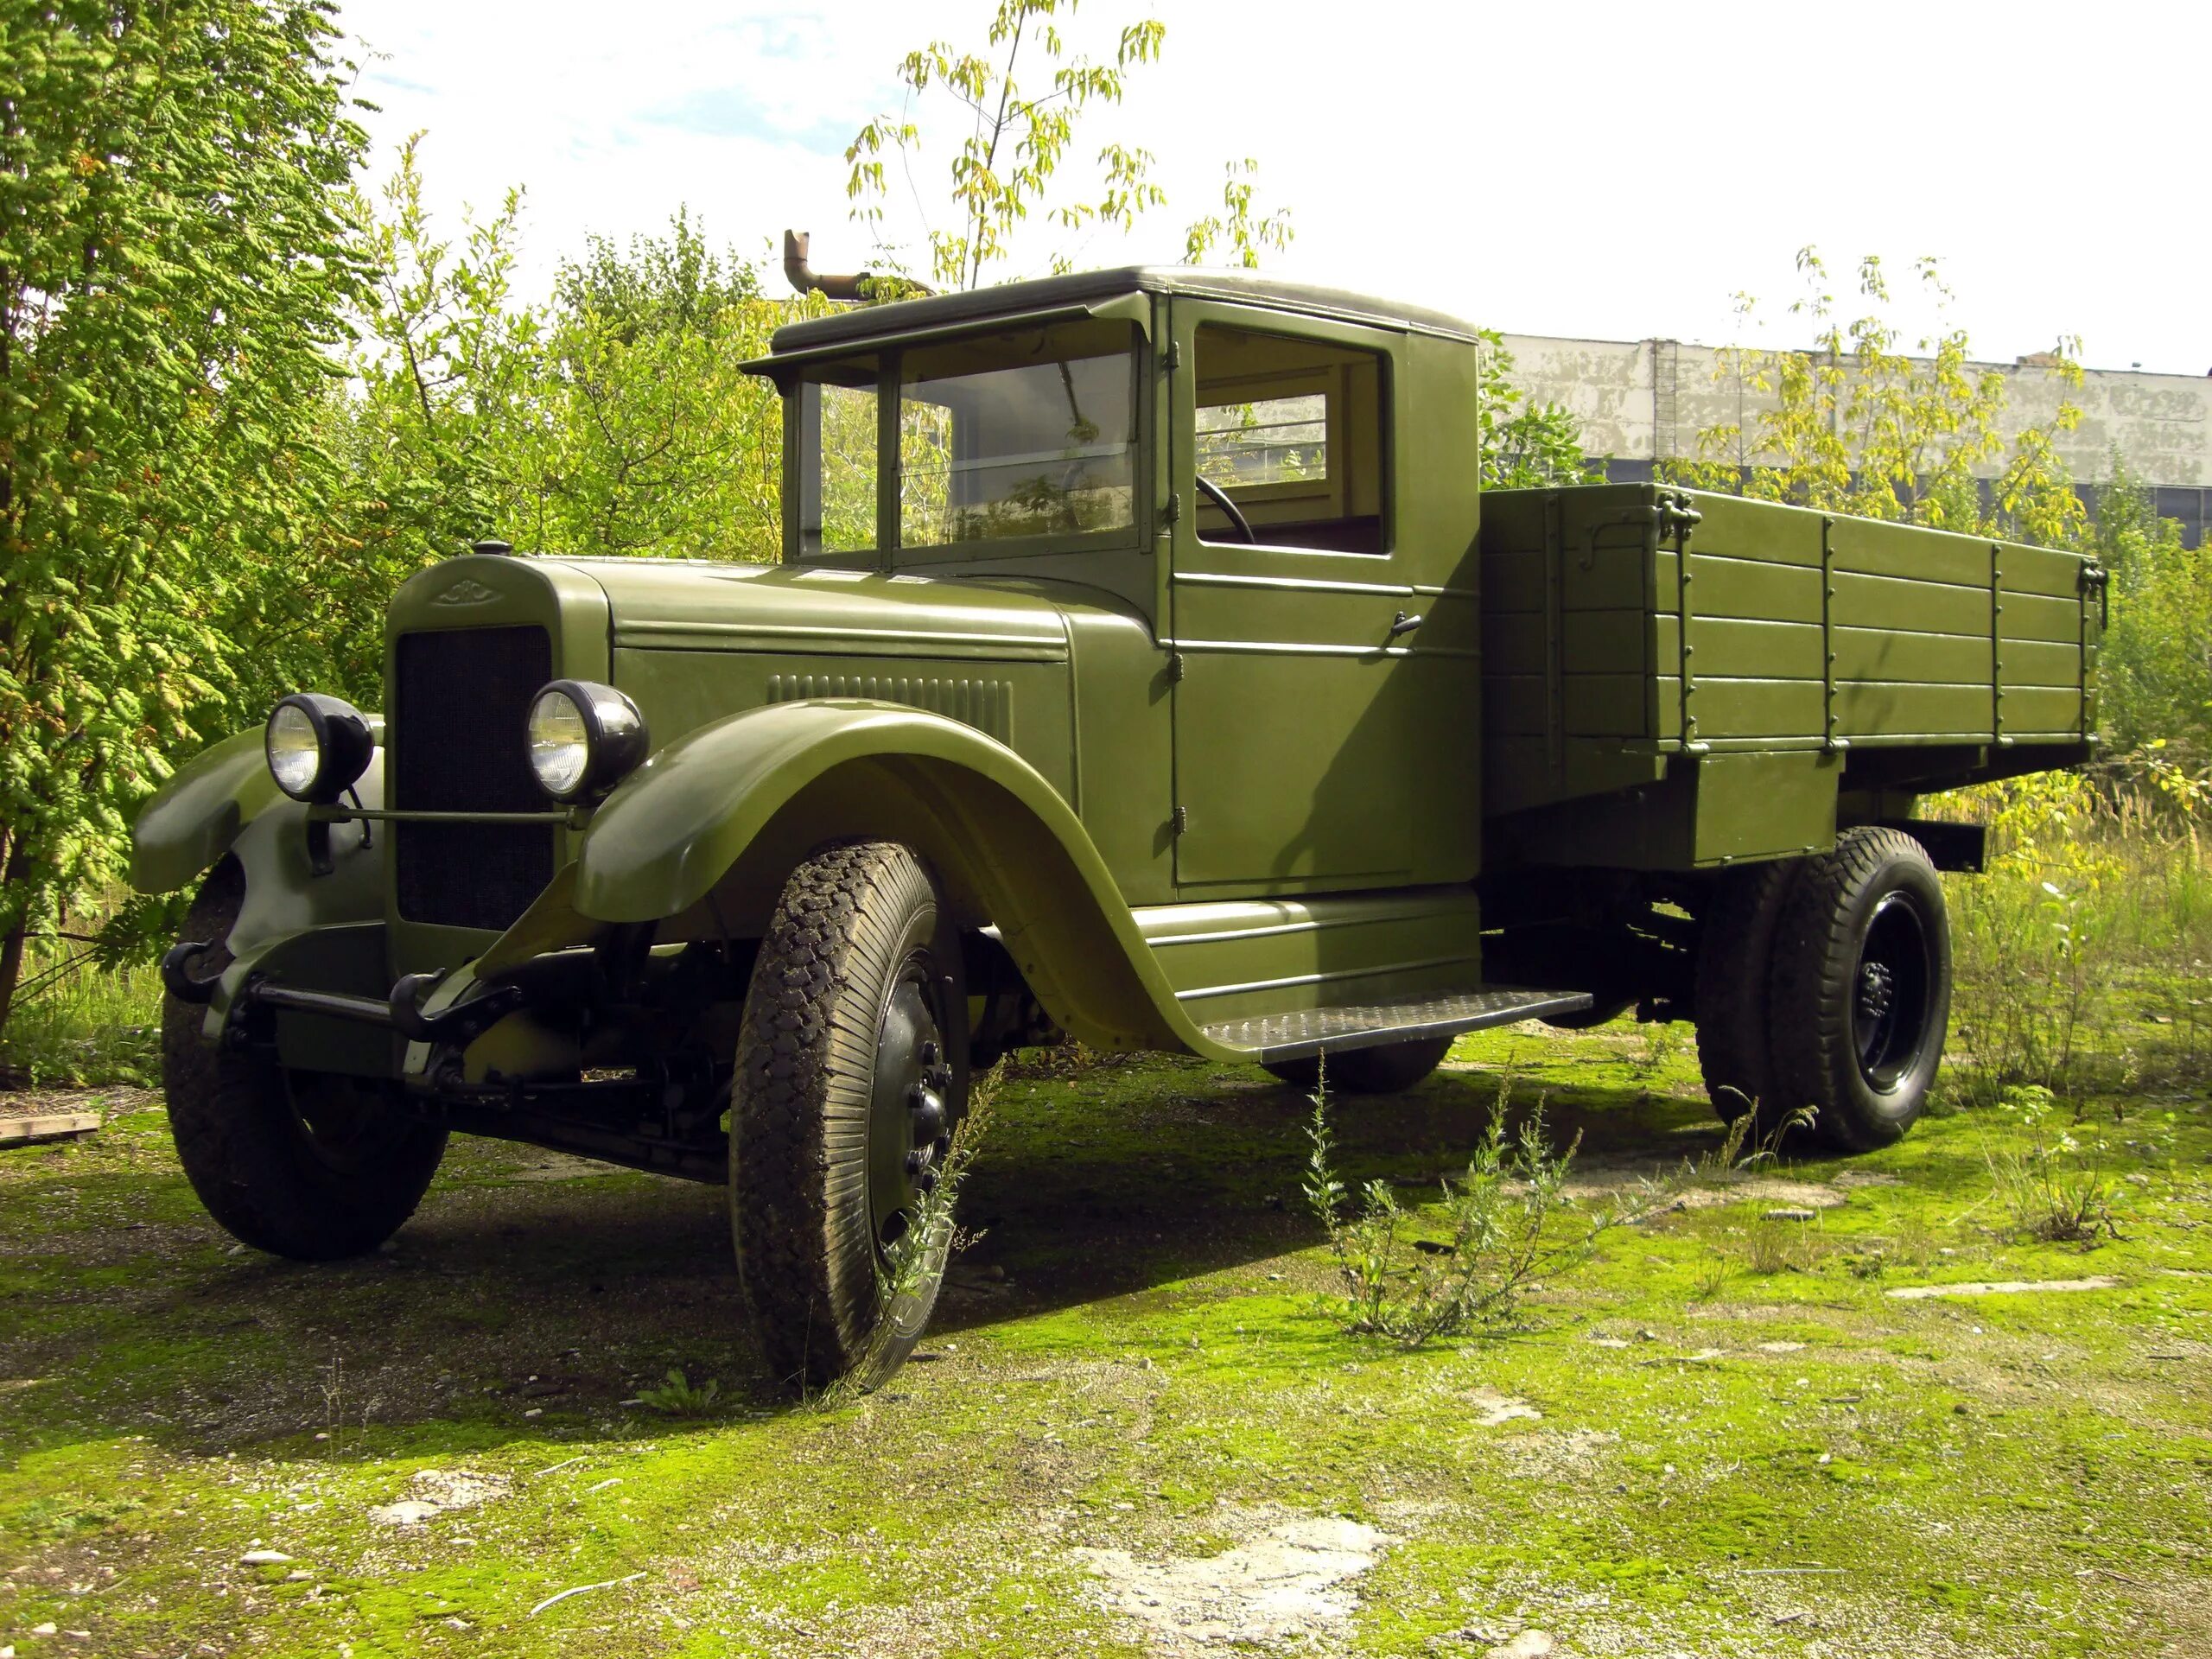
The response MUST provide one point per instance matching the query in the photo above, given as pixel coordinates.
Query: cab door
(1290, 621)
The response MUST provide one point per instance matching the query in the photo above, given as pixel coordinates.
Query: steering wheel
(1219, 497)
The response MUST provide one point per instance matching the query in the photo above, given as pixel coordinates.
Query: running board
(1314, 1031)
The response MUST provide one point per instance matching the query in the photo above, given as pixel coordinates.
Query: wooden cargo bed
(1633, 635)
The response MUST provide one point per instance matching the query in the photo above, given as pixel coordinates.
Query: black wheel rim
(348, 1124)
(910, 1105)
(1891, 992)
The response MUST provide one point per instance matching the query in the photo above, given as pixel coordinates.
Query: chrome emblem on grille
(466, 592)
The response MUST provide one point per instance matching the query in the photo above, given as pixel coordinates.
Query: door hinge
(1172, 358)
(1173, 510)
(1181, 822)
(1175, 667)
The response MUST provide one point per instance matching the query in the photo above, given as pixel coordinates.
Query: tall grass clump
(2081, 956)
(80, 1020)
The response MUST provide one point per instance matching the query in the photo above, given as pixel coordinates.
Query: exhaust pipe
(807, 280)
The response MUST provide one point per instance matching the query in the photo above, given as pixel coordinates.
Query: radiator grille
(458, 705)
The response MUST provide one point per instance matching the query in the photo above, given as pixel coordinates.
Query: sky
(1608, 171)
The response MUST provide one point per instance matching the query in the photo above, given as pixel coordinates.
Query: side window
(836, 415)
(1291, 431)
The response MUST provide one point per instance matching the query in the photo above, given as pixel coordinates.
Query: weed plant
(677, 1397)
(2054, 1182)
(907, 1286)
(1500, 1230)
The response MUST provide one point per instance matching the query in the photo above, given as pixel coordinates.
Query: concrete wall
(1646, 400)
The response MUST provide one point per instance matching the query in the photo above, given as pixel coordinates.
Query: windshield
(1024, 435)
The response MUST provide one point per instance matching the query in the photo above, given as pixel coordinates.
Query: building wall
(1646, 400)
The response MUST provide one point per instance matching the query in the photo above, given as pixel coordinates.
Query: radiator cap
(492, 549)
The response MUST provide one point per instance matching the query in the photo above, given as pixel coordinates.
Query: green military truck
(1146, 666)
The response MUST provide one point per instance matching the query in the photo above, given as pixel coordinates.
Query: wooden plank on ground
(31, 1129)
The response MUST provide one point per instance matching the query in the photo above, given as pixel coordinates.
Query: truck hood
(669, 605)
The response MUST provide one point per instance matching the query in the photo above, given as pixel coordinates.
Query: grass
(74, 1024)
(1132, 1366)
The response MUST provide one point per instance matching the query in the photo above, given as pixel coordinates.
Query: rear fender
(707, 830)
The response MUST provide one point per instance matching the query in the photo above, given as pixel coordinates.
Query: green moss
(1135, 1357)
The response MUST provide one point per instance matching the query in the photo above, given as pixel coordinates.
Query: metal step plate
(1314, 1031)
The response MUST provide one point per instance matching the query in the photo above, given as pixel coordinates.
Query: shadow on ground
(532, 1290)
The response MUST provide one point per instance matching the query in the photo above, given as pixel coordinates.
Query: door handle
(1403, 624)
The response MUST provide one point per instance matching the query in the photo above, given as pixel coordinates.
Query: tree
(444, 360)
(1008, 165)
(2155, 672)
(1855, 424)
(1534, 445)
(646, 436)
(174, 265)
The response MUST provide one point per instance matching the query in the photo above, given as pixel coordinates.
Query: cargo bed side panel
(1624, 645)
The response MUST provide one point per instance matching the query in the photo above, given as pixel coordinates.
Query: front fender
(766, 786)
(194, 818)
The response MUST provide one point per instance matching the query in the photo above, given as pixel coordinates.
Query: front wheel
(852, 1072)
(1862, 989)
(309, 1165)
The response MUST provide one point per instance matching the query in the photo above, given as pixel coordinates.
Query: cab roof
(861, 323)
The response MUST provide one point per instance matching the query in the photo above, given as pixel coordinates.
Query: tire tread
(1814, 1051)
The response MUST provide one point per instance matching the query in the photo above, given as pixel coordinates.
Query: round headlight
(318, 746)
(584, 739)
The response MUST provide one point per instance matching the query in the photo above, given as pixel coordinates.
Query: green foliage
(2155, 672)
(1247, 237)
(1523, 445)
(1858, 424)
(1009, 166)
(173, 262)
(677, 1397)
(2096, 912)
(79, 1022)
(644, 437)
(613, 421)
(2052, 1184)
(1508, 1226)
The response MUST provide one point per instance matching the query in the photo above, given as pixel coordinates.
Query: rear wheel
(1390, 1069)
(1862, 991)
(1733, 993)
(309, 1165)
(851, 1076)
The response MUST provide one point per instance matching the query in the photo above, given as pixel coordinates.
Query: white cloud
(1612, 169)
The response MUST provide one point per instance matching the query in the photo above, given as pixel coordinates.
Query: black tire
(1390, 1069)
(1862, 989)
(1733, 996)
(856, 1022)
(302, 1164)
